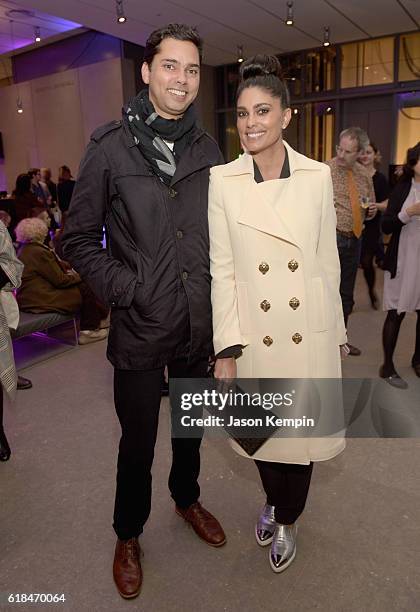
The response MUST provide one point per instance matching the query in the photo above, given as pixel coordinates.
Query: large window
(292, 70)
(292, 134)
(228, 135)
(408, 131)
(320, 70)
(409, 66)
(319, 132)
(367, 63)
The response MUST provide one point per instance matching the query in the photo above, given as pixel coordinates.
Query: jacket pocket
(319, 318)
(121, 244)
(243, 307)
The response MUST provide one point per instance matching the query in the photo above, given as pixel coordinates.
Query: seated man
(46, 287)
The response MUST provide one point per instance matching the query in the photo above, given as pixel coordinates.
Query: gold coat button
(263, 267)
(297, 338)
(294, 303)
(268, 341)
(265, 305)
(293, 265)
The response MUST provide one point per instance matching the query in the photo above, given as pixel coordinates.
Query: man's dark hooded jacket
(154, 273)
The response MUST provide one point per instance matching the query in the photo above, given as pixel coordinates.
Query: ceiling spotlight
(121, 18)
(240, 54)
(295, 111)
(37, 34)
(289, 18)
(326, 42)
(19, 106)
(328, 109)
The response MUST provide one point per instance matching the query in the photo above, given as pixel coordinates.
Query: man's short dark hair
(178, 31)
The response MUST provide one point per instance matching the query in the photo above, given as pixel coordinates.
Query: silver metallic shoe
(283, 547)
(266, 524)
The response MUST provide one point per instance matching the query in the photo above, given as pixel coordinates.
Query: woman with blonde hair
(47, 288)
(275, 271)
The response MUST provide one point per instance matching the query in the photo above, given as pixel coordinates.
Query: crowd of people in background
(355, 173)
(200, 288)
(367, 209)
(38, 206)
(45, 282)
(35, 218)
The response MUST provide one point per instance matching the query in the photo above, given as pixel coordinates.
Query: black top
(381, 187)
(285, 171)
(64, 194)
(372, 231)
(392, 224)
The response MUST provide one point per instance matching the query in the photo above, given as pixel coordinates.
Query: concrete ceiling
(257, 25)
(17, 23)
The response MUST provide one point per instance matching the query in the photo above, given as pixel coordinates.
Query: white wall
(60, 112)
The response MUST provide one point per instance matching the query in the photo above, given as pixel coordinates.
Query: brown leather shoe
(127, 568)
(205, 525)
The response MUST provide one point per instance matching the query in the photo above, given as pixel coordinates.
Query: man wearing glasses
(354, 199)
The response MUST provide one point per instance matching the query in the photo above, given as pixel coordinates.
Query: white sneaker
(92, 335)
(105, 322)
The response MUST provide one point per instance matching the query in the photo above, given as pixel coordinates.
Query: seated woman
(47, 288)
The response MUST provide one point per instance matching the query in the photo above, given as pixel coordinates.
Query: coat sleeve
(48, 267)
(328, 253)
(390, 219)
(9, 263)
(226, 329)
(112, 281)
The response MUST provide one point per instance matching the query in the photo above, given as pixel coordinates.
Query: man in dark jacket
(146, 179)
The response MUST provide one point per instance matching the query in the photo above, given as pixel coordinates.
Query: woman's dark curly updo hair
(413, 156)
(264, 71)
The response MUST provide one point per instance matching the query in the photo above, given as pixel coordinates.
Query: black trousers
(349, 253)
(286, 486)
(137, 395)
(91, 310)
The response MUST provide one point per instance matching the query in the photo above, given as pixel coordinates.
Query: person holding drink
(354, 200)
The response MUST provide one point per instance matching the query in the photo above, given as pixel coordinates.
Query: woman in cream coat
(275, 285)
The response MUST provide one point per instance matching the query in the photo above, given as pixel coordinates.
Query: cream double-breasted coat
(275, 282)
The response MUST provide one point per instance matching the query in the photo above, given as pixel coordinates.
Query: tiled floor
(359, 538)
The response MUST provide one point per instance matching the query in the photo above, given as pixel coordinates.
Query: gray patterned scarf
(151, 133)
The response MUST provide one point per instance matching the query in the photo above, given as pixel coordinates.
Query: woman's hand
(225, 368)
(382, 206)
(371, 211)
(414, 209)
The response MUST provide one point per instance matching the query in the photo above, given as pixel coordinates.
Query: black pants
(286, 486)
(91, 310)
(137, 396)
(349, 253)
